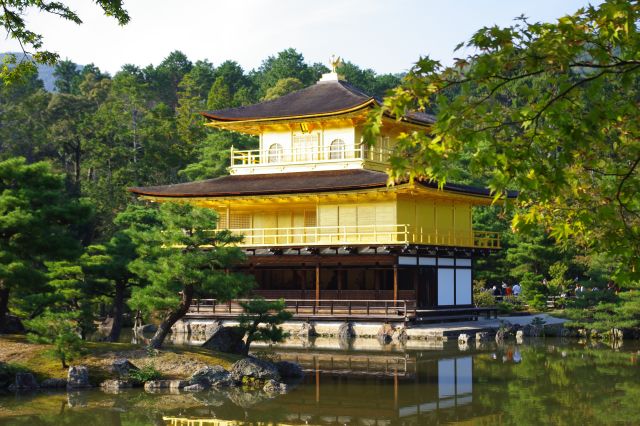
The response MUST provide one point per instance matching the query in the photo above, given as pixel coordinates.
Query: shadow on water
(544, 381)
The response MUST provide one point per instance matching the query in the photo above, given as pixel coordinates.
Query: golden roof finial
(335, 63)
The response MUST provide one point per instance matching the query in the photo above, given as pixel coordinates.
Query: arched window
(275, 153)
(336, 150)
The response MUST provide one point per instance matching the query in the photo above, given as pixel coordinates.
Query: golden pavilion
(319, 220)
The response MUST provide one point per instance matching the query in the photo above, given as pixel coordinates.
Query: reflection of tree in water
(560, 385)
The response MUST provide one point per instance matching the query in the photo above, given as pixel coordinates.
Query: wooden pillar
(395, 283)
(317, 283)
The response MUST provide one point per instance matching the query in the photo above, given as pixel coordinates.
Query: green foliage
(558, 284)
(145, 374)
(532, 286)
(59, 330)
(548, 109)
(12, 20)
(181, 257)
(511, 304)
(606, 312)
(283, 87)
(538, 321)
(38, 223)
(538, 302)
(261, 321)
(213, 154)
(482, 296)
(367, 79)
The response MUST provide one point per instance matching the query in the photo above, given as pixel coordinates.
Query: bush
(59, 330)
(145, 374)
(539, 302)
(484, 299)
(532, 286)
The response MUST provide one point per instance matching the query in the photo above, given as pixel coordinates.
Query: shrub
(145, 374)
(539, 302)
(532, 286)
(59, 330)
(484, 299)
(261, 321)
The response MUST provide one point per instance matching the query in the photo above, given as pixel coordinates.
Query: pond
(544, 381)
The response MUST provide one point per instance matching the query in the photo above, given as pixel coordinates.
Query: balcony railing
(312, 154)
(366, 234)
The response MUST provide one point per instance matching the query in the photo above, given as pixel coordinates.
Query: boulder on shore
(78, 377)
(226, 339)
(215, 376)
(256, 369)
(122, 367)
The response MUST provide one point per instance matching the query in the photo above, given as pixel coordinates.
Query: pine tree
(182, 258)
(38, 223)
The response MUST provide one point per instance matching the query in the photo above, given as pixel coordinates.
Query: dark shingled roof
(288, 183)
(324, 97)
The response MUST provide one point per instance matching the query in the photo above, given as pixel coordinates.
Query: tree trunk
(4, 306)
(118, 311)
(165, 327)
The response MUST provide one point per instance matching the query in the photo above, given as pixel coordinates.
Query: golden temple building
(320, 221)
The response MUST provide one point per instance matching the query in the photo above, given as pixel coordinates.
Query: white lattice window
(305, 146)
(336, 150)
(275, 153)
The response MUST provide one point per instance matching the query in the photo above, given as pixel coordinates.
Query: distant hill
(45, 72)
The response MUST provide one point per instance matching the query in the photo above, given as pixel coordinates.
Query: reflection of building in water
(369, 389)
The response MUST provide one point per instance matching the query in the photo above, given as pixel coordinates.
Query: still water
(540, 382)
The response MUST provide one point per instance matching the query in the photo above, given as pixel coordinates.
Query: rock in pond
(24, 381)
(53, 383)
(122, 367)
(226, 339)
(165, 384)
(273, 386)
(194, 388)
(215, 376)
(254, 368)
(115, 385)
(289, 370)
(78, 377)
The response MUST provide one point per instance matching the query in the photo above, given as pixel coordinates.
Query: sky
(385, 35)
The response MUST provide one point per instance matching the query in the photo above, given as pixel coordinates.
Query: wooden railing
(365, 234)
(303, 155)
(339, 308)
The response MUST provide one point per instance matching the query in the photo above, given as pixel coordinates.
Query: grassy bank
(172, 362)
